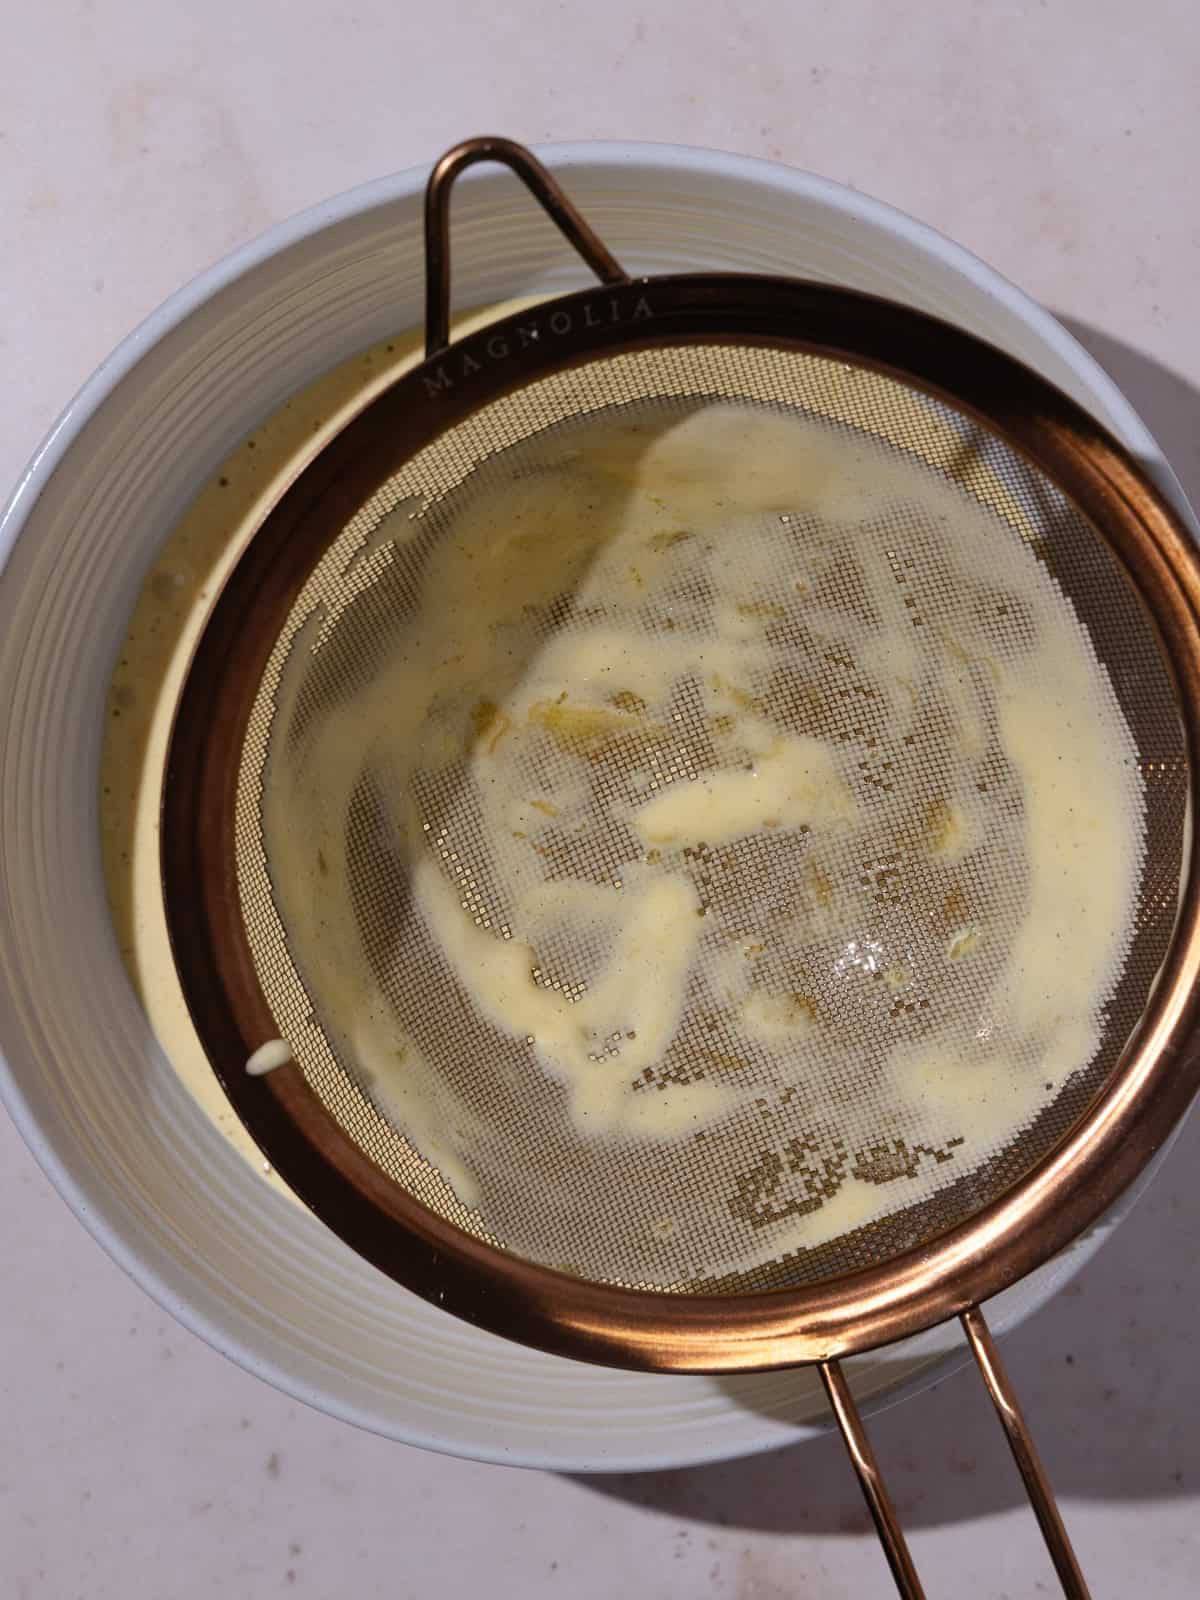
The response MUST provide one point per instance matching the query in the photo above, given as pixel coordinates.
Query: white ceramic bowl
(82, 1075)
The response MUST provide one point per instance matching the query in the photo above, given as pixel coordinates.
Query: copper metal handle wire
(1037, 1485)
(870, 1478)
(437, 225)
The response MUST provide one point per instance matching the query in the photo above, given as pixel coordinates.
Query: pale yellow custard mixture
(163, 630)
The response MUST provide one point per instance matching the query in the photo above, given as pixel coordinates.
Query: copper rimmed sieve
(553, 1246)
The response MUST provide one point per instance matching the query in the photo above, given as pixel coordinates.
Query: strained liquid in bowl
(700, 845)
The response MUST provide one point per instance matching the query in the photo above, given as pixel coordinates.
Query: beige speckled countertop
(1057, 140)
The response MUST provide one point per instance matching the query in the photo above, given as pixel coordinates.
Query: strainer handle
(545, 191)
(1037, 1485)
(879, 1502)
(1020, 1440)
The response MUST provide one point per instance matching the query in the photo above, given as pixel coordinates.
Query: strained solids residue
(709, 809)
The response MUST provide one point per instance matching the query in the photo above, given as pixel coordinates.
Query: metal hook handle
(545, 191)
(1037, 1485)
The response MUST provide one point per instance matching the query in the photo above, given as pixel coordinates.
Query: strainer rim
(1126, 1122)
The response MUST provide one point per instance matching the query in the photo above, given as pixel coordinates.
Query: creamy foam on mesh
(725, 836)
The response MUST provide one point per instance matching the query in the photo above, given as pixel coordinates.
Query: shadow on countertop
(1166, 402)
(1108, 1372)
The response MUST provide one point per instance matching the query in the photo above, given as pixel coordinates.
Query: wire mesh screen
(711, 820)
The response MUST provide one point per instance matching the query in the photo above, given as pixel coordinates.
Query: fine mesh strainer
(676, 834)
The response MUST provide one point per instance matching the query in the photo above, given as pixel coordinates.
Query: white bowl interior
(85, 1079)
